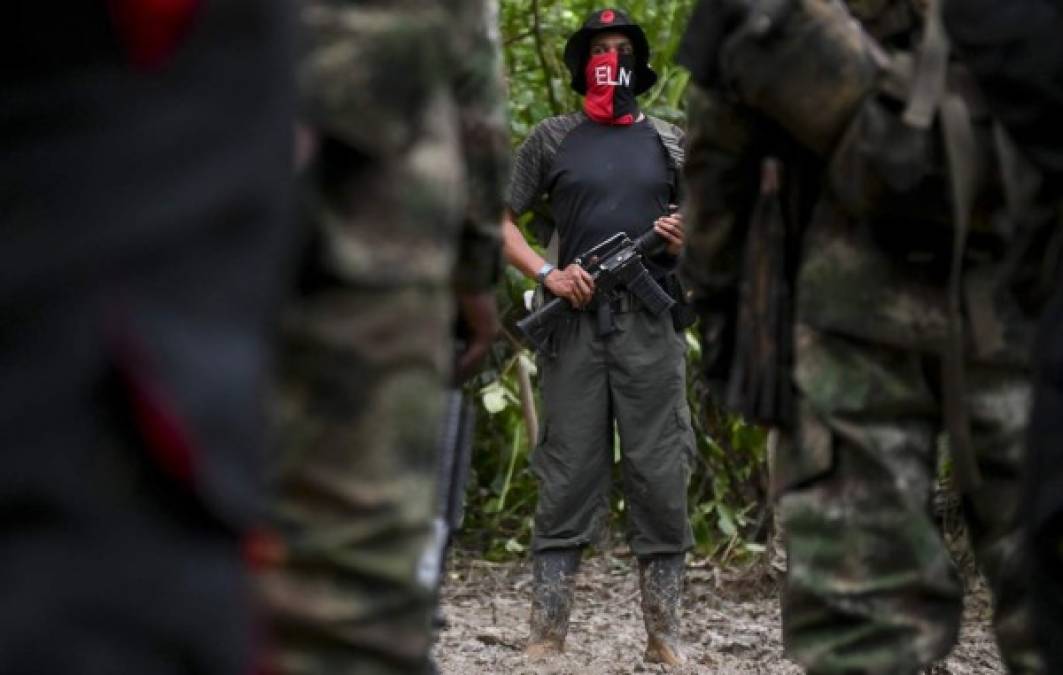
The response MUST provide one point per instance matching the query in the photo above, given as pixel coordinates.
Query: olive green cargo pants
(635, 377)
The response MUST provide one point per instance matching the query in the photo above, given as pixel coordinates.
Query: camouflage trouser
(871, 588)
(359, 405)
(366, 349)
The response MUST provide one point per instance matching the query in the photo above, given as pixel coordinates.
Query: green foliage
(728, 491)
(728, 487)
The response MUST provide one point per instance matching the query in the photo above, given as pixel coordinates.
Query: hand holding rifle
(573, 283)
(670, 229)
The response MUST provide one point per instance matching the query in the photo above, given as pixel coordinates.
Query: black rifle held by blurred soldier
(454, 458)
(455, 455)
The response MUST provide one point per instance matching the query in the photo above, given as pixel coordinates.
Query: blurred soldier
(403, 108)
(1015, 52)
(918, 242)
(143, 223)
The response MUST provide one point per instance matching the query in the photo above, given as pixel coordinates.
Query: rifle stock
(537, 326)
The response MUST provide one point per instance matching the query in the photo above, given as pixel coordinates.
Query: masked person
(606, 169)
(915, 255)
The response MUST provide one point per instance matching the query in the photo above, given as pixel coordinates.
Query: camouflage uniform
(870, 586)
(402, 206)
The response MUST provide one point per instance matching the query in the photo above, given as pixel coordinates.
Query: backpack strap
(671, 138)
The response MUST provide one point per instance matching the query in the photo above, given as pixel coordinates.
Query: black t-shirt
(600, 179)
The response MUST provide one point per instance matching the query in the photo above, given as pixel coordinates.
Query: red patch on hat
(608, 16)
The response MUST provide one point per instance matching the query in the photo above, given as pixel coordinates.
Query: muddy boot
(552, 573)
(661, 583)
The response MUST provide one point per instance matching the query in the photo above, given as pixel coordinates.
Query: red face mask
(610, 89)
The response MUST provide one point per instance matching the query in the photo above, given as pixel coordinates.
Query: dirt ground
(731, 624)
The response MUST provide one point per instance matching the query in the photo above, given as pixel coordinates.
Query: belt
(621, 302)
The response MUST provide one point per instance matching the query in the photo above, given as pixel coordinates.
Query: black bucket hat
(578, 48)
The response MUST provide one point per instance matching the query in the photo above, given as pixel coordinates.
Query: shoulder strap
(672, 141)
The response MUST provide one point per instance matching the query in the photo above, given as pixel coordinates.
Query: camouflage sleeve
(674, 140)
(349, 55)
(534, 159)
(529, 167)
(721, 177)
(480, 93)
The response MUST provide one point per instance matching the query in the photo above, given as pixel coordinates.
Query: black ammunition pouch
(606, 308)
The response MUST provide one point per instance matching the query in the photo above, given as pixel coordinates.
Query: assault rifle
(452, 473)
(614, 264)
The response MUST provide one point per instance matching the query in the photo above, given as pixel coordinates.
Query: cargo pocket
(685, 433)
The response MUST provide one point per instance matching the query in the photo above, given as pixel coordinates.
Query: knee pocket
(535, 460)
(685, 433)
